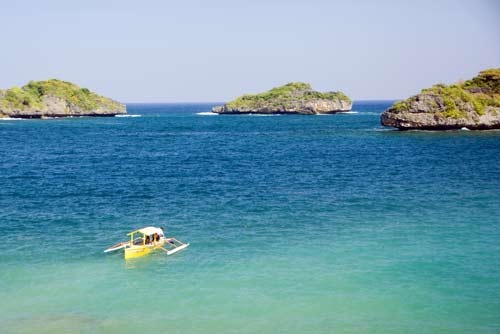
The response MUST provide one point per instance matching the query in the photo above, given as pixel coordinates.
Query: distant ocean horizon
(297, 224)
(214, 103)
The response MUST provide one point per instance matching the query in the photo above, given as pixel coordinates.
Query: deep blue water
(297, 224)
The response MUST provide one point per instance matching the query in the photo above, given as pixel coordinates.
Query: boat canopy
(150, 230)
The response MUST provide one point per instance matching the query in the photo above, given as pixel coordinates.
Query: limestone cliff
(55, 98)
(474, 104)
(292, 98)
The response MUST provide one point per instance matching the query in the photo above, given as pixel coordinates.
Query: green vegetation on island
(285, 94)
(294, 97)
(480, 92)
(54, 98)
(474, 103)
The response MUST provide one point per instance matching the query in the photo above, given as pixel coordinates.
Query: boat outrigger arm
(149, 239)
(174, 245)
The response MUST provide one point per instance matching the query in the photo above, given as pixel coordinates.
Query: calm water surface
(297, 224)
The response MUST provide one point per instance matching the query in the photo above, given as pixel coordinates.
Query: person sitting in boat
(148, 240)
(156, 237)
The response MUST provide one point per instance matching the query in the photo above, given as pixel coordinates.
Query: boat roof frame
(150, 230)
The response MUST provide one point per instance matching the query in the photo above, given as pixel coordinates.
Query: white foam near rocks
(207, 113)
(260, 115)
(128, 115)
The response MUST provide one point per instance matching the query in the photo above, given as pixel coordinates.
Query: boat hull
(136, 251)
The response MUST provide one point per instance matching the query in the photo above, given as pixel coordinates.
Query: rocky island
(55, 98)
(292, 98)
(473, 104)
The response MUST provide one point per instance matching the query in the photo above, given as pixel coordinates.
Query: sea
(296, 224)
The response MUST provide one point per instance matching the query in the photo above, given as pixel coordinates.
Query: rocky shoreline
(292, 98)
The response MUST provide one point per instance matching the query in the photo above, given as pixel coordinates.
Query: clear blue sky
(188, 50)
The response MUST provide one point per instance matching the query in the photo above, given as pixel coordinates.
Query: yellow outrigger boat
(148, 239)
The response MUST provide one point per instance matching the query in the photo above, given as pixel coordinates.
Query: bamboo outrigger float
(148, 239)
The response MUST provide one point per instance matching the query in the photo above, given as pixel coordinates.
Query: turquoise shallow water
(297, 224)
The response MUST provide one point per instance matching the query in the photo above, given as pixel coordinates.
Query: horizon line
(221, 102)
